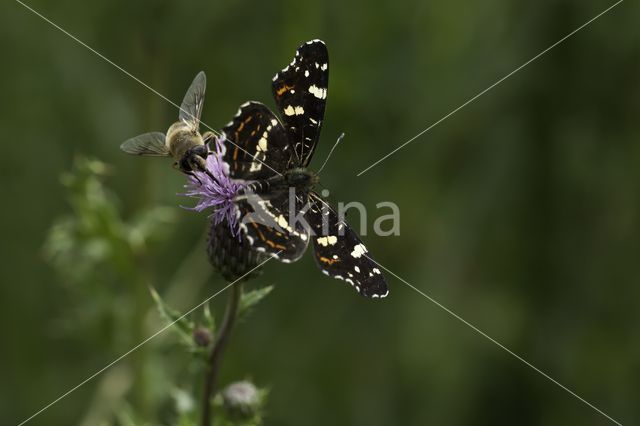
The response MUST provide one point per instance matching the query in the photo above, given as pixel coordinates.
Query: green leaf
(250, 298)
(183, 326)
(209, 320)
(183, 401)
(152, 224)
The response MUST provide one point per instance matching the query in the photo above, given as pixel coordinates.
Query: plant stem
(215, 358)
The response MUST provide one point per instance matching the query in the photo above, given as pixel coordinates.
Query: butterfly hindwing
(265, 223)
(339, 252)
(300, 91)
(257, 146)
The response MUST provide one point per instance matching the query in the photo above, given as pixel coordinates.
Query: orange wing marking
(283, 89)
(328, 261)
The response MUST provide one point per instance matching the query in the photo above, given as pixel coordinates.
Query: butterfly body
(280, 212)
(302, 179)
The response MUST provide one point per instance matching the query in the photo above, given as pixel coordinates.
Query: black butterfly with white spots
(279, 211)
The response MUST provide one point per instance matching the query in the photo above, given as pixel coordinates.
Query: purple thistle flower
(216, 190)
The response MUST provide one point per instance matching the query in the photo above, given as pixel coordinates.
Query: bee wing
(146, 144)
(191, 108)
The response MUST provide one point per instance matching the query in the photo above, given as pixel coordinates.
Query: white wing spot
(290, 110)
(355, 268)
(282, 222)
(358, 250)
(262, 145)
(318, 92)
(327, 241)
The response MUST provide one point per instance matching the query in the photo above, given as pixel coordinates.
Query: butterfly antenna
(331, 152)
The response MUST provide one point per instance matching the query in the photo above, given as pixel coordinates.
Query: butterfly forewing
(339, 252)
(257, 146)
(191, 108)
(300, 91)
(266, 224)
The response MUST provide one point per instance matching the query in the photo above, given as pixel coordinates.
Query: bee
(183, 140)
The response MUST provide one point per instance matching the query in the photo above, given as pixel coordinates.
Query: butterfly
(281, 213)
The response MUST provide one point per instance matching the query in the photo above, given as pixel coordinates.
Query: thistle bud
(229, 255)
(241, 399)
(202, 336)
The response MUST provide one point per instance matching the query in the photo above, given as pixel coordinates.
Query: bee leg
(208, 137)
(202, 168)
(199, 163)
(193, 175)
(210, 175)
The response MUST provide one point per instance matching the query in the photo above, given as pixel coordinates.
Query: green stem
(140, 390)
(215, 357)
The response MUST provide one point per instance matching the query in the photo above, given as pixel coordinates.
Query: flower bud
(230, 256)
(202, 336)
(241, 399)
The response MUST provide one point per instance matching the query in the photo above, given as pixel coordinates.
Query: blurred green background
(521, 212)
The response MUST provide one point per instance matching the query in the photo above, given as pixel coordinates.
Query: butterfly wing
(265, 223)
(339, 252)
(300, 91)
(256, 145)
(191, 108)
(151, 144)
